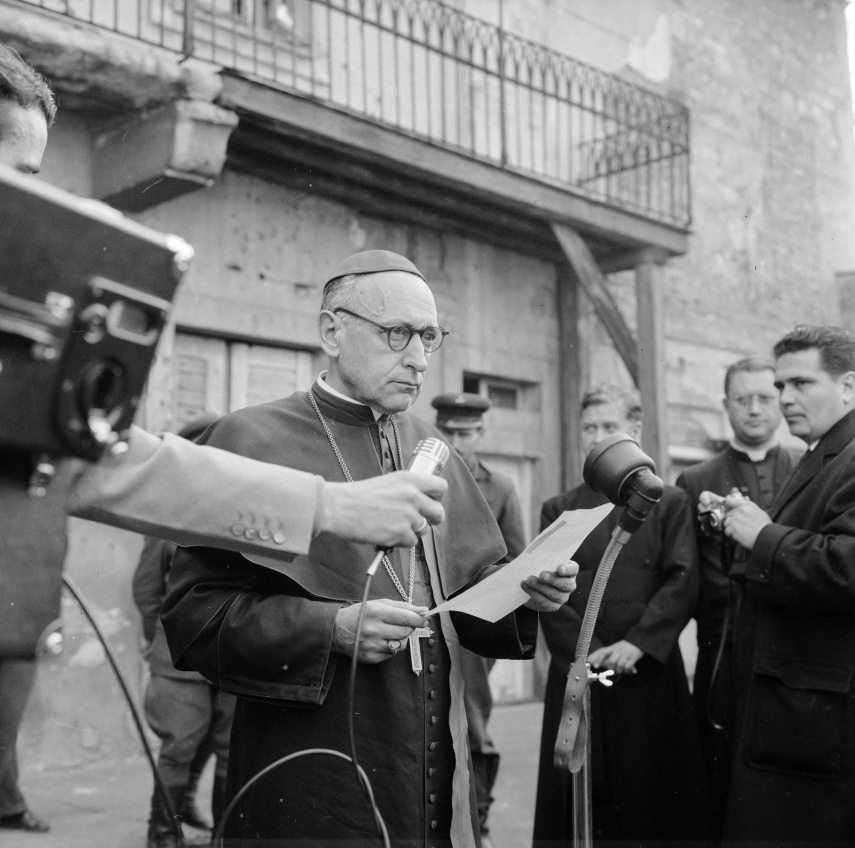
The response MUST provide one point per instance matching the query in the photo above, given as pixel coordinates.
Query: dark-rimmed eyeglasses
(398, 335)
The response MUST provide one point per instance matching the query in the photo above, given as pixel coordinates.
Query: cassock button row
(432, 694)
(432, 797)
(431, 643)
(434, 719)
(432, 746)
(434, 824)
(431, 771)
(432, 668)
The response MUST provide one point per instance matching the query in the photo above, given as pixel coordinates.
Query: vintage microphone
(429, 457)
(617, 468)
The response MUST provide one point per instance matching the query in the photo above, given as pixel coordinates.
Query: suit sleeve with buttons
(199, 495)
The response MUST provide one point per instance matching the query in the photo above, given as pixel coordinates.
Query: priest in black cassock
(648, 786)
(282, 638)
(755, 463)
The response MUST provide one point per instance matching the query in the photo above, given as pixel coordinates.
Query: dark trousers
(17, 677)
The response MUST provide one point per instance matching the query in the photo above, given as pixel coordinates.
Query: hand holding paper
(501, 592)
(548, 591)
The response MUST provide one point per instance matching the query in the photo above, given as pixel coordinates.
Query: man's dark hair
(750, 364)
(21, 82)
(836, 346)
(608, 393)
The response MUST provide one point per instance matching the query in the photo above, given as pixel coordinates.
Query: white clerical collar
(323, 384)
(755, 454)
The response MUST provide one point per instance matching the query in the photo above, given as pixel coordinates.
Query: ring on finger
(421, 528)
(394, 645)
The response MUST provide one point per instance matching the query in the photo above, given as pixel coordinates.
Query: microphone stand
(572, 745)
(625, 476)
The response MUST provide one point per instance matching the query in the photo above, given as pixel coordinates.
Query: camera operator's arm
(196, 495)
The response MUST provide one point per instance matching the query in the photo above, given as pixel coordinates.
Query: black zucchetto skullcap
(372, 262)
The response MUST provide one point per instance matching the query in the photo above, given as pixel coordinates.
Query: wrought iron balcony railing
(432, 72)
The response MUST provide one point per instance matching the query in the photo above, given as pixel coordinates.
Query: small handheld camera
(713, 518)
(84, 296)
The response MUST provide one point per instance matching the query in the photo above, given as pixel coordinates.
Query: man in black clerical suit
(757, 465)
(282, 638)
(647, 782)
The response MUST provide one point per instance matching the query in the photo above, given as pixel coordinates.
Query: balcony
(434, 75)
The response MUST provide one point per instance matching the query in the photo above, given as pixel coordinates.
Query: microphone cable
(361, 777)
(160, 786)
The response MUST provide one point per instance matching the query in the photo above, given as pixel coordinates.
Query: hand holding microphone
(388, 622)
(388, 510)
(428, 459)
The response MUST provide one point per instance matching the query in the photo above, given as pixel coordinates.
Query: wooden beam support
(593, 282)
(651, 359)
(570, 380)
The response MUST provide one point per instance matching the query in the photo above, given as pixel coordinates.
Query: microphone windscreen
(429, 456)
(612, 463)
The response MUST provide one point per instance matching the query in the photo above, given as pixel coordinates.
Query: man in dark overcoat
(647, 777)
(755, 464)
(282, 638)
(793, 778)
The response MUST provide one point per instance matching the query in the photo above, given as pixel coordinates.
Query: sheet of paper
(500, 593)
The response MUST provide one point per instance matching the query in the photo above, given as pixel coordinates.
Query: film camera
(713, 519)
(84, 296)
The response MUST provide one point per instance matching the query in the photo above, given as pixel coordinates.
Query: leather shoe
(24, 821)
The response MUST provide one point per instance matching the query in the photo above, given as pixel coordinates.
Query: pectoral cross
(416, 648)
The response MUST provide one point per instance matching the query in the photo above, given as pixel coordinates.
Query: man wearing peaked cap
(460, 411)
(460, 418)
(283, 639)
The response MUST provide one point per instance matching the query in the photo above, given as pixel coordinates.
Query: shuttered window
(217, 375)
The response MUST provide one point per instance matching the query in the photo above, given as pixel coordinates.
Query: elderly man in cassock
(282, 639)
